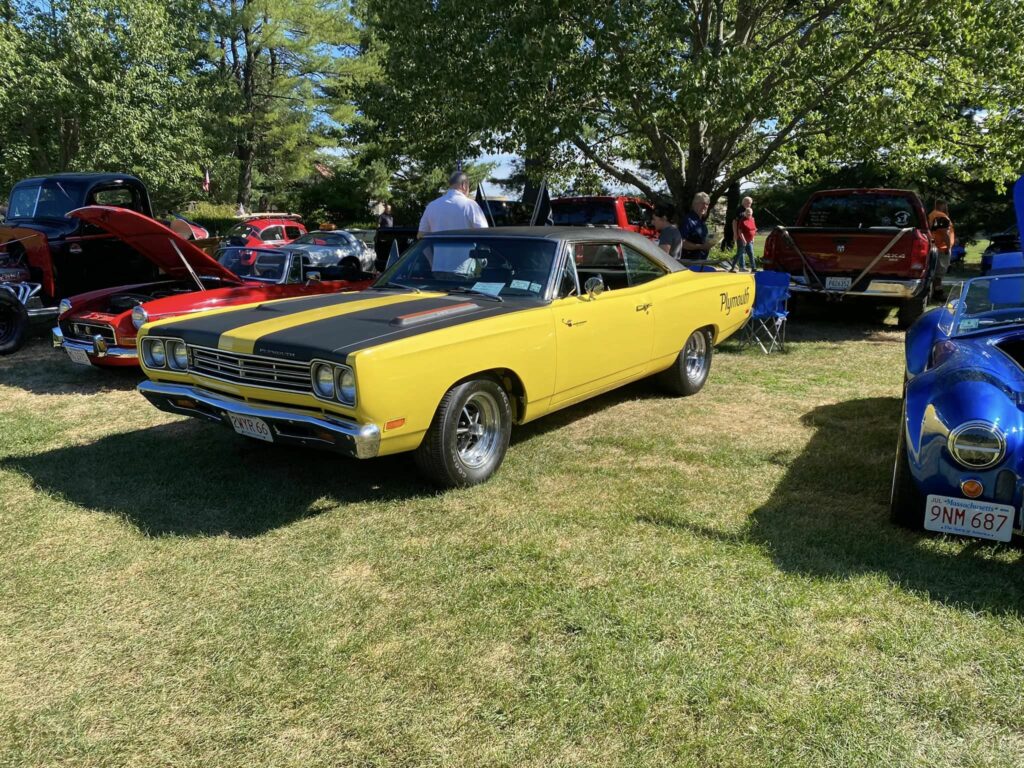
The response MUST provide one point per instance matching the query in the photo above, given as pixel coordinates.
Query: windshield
(497, 266)
(254, 263)
(990, 301)
(580, 213)
(861, 211)
(326, 238)
(46, 200)
(242, 232)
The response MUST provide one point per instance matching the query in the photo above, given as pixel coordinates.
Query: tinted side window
(635, 214)
(272, 233)
(640, 269)
(121, 197)
(292, 232)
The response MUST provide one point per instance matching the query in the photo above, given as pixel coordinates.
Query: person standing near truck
(695, 243)
(941, 227)
(669, 238)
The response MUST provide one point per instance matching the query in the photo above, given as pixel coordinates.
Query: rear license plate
(78, 356)
(250, 427)
(838, 283)
(967, 517)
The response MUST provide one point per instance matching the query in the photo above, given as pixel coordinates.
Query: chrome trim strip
(997, 433)
(355, 440)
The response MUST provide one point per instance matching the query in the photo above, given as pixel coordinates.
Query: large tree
(683, 95)
(99, 85)
(282, 75)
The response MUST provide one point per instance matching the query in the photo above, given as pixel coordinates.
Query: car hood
(331, 326)
(154, 241)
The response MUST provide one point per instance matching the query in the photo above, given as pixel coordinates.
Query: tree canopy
(674, 97)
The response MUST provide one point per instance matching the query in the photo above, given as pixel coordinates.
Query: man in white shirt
(452, 210)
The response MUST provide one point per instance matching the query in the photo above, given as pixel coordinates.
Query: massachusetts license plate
(838, 283)
(967, 517)
(78, 356)
(250, 427)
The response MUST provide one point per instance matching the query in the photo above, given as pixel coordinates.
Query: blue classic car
(960, 454)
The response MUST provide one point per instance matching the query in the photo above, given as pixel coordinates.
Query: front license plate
(838, 283)
(967, 517)
(250, 427)
(78, 356)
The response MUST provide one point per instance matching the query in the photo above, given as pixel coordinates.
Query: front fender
(920, 338)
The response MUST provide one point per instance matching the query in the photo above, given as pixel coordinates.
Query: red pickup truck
(870, 245)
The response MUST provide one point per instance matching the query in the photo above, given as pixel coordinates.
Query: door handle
(643, 307)
(571, 323)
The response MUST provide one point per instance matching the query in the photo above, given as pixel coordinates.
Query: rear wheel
(13, 323)
(691, 368)
(910, 310)
(906, 502)
(468, 438)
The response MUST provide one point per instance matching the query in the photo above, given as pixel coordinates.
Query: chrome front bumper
(288, 426)
(98, 347)
(877, 289)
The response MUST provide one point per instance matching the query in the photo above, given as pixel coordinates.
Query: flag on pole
(206, 181)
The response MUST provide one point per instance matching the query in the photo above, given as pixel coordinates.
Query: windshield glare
(254, 264)
(325, 238)
(989, 301)
(491, 265)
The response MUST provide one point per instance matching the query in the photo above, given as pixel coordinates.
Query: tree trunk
(732, 202)
(247, 158)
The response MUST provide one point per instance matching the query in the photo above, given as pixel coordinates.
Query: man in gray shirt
(669, 238)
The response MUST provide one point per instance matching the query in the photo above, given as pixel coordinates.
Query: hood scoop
(433, 315)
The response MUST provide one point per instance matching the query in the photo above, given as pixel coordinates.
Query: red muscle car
(99, 327)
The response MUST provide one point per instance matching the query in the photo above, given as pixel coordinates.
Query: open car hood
(154, 241)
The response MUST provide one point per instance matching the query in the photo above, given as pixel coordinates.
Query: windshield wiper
(475, 292)
(393, 284)
(1000, 320)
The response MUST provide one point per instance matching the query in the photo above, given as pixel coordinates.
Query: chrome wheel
(696, 356)
(478, 431)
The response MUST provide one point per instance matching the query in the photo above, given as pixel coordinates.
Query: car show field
(647, 581)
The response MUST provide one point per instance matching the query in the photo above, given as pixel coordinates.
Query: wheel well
(713, 330)
(510, 382)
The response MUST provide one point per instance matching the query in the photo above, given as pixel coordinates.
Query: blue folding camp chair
(767, 324)
(1007, 263)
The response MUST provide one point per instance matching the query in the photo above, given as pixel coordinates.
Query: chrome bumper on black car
(98, 347)
(288, 426)
(876, 289)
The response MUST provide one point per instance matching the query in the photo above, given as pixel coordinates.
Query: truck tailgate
(846, 252)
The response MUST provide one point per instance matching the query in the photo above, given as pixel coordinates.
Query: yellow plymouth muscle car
(467, 334)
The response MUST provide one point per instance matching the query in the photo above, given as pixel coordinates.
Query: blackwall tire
(13, 323)
(906, 502)
(910, 310)
(468, 438)
(689, 372)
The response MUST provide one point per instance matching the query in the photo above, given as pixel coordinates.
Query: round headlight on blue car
(346, 386)
(323, 381)
(977, 445)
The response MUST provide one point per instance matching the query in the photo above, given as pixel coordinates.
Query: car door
(604, 338)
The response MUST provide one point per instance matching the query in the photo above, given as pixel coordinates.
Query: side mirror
(594, 286)
(313, 277)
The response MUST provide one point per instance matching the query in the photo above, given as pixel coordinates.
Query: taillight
(919, 251)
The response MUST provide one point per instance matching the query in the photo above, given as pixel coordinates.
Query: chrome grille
(75, 329)
(250, 370)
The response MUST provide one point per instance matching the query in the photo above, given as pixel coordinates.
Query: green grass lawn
(648, 581)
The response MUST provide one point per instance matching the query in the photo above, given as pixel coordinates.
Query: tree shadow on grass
(42, 370)
(192, 479)
(829, 517)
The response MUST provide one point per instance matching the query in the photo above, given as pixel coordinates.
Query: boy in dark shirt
(669, 238)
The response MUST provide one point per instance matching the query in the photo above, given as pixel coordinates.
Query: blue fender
(921, 336)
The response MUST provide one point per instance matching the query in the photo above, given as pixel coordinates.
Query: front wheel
(467, 439)
(906, 502)
(13, 323)
(691, 368)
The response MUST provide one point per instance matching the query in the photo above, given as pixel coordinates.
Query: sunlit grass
(648, 581)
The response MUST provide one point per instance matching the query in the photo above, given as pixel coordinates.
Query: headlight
(65, 306)
(346, 386)
(177, 354)
(153, 353)
(323, 381)
(139, 316)
(977, 445)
